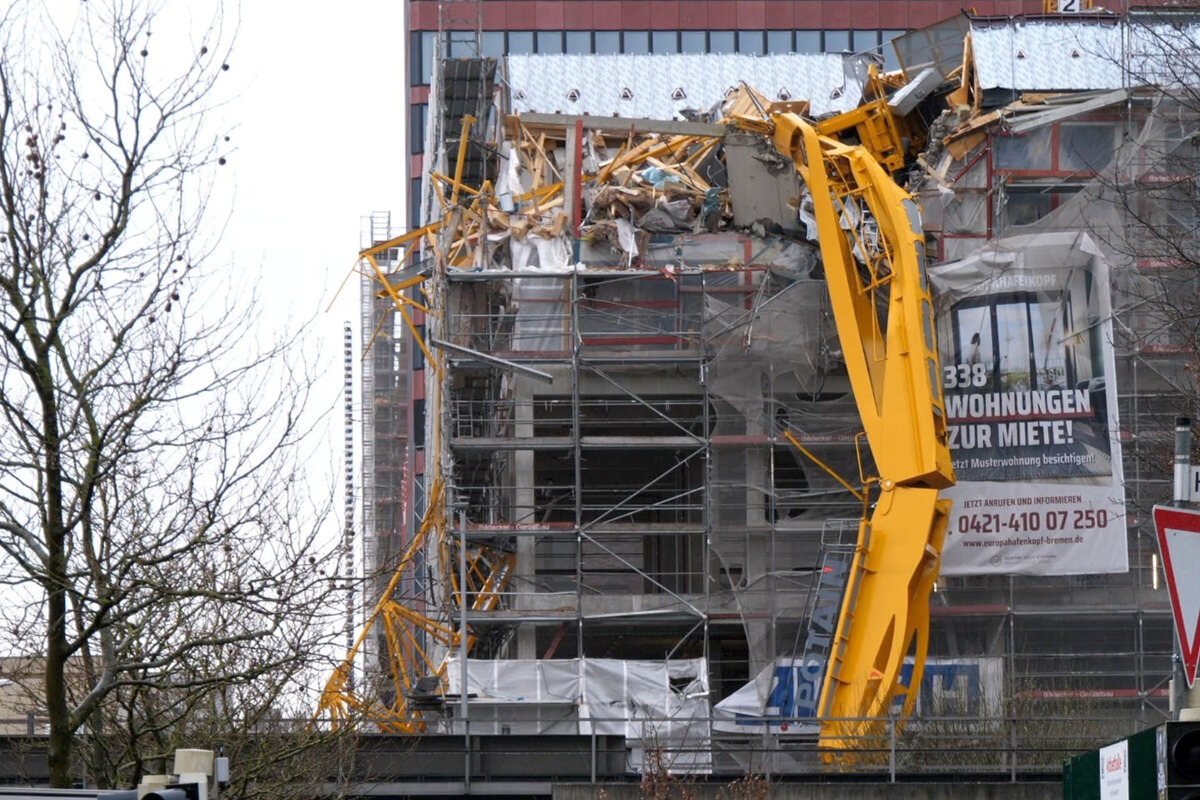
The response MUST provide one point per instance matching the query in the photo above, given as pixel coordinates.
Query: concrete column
(522, 481)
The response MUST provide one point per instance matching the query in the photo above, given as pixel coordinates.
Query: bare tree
(1152, 193)
(158, 544)
(1145, 209)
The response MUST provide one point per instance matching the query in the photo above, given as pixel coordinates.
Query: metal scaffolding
(666, 452)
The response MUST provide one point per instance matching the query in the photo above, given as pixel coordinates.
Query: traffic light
(1181, 754)
(1160, 763)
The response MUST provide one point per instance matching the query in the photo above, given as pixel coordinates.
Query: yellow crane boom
(884, 317)
(405, 652)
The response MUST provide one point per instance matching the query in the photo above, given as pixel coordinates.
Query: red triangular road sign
(1179, 542)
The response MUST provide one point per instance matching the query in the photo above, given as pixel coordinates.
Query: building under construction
(612, 438)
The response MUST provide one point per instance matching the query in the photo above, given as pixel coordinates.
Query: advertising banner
(1025, 340)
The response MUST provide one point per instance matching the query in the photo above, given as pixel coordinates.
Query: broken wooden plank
(961, 146)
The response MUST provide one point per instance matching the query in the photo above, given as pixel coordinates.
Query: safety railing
(29, 725)
(559, 742)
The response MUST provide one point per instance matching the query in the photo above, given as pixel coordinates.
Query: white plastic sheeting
(655, 705)
(1071, 55)
(1028, 56)
(662, 86)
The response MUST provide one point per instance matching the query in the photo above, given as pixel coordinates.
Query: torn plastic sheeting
(668, 216)
(539, 252)
(958, 247)
(965, 213)
(541, 320)
(653, 704)
(627, 235)
(521, 253)
(790, 259)
(658, 178)
(806, 214)
(553, 253)
(779, 336)
(1100, 207)
(508, 181)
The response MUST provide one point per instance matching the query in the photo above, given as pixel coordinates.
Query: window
(1024, 202)
(1085, 147)
(637, 42)
(837, 41)
(493, 43)
(416, 128)
(808, 41)
(1040, 170)
(1024, 208)
(418, 355)
(665, 41)
(1019, 339)
(864, 41)
(414, 58)
(414, 204)
(693, 42)
(608, 42)
(779, 41)
(549, 41)
(750, 42)
(890, 62)
(721, 42)
(579, 42)
(421, 58)
(520, 43)
(1031, 152)
(460, 44)
(418, 408)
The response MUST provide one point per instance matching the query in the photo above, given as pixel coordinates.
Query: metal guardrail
(28, 725)
(618, 750)
(1009, 749)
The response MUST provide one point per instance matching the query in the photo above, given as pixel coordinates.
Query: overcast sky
(320, 143)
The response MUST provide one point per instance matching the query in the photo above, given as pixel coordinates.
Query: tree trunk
(59, 754)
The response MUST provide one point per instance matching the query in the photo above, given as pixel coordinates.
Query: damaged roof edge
(625, 124)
